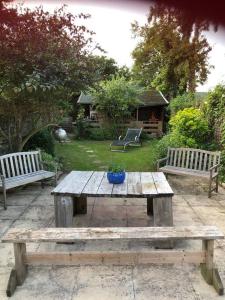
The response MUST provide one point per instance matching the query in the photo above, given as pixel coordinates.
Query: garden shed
(149, 114)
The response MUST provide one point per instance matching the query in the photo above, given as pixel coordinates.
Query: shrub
(96, 134)
(190, 128)
(222, 167)
(50, 162)
(42, 140)
(169, 140)
(181, 102)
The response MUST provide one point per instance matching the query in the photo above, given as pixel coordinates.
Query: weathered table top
(136, 184)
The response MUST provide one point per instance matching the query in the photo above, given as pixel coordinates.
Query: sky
(111, 22)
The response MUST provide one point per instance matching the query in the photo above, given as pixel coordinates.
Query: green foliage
(115, 99)
(43, 63)
(216, 105)
(222, 167)
(115, 168)
(171, 57)
(186, 100)
(100, 134)
(215, 112)
(50, 162)
(82, 129)
(105, 68)
(169, 140)
(190, 127)
(42, 140)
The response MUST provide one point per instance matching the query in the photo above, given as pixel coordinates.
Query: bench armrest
(120, 137)
(159, 161)
(214, 169)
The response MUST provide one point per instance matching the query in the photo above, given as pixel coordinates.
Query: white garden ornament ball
(61, 134)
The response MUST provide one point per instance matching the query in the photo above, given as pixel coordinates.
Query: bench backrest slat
(20, 163)
(195, 159)
(152, 233)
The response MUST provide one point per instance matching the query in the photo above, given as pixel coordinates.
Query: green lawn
(95, 155)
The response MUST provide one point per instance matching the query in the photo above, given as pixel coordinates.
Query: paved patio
(32, 207)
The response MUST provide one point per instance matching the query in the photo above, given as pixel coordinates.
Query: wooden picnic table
(70, 196)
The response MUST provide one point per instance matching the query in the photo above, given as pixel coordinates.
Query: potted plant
(116, 174)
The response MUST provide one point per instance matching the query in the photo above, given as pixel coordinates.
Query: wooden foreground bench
(19, 238)
(17, 169)
(193, 162)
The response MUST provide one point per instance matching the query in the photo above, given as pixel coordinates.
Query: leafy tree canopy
(115, 99)
(172, 53)
(43, 62)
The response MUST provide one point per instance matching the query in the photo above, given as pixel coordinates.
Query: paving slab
(33, 207)
(101, 283)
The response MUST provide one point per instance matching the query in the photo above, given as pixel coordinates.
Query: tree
(104, 67)
(116, 99)
(43, 62)
(172, 54)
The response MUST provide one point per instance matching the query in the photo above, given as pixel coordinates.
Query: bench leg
(150, 206)
(4, 197)
(79, 205)
(19, 273)
(207, 267)
(208, 271)
(163, 216)
(12, 283)
(217, 183)
(42, 184)
(63, 211)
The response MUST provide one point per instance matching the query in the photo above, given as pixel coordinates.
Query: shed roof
(148, 98)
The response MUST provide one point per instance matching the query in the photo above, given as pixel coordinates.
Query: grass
(95, 155)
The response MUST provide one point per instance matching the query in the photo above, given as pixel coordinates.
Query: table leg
(150, 206)
(63, 211)
(79, 205)
(163, 216)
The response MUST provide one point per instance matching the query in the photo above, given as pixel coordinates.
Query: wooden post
(79, 205)
(207, 267)
(163, 216)
(63, 211)
(150, 206)
(20, 267)
(12, 283)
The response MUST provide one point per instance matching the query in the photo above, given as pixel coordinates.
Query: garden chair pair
(132, 138)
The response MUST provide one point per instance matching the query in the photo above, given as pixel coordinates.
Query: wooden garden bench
(194, 162)
(19, 238)
(17, 169)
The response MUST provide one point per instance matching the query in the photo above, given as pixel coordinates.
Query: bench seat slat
(150, 233)
(27, 178)
(184, 171)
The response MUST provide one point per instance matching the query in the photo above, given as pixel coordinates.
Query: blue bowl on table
(116, 178)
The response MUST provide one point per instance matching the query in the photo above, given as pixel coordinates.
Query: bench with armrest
(17, 169)
(194, 162)
(19, 238)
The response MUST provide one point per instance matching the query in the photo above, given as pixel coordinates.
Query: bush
(190, 128)
(96, 134)
(50, 162)
(181, 102)
(82, 129)
(42, 140)
(169, 140)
